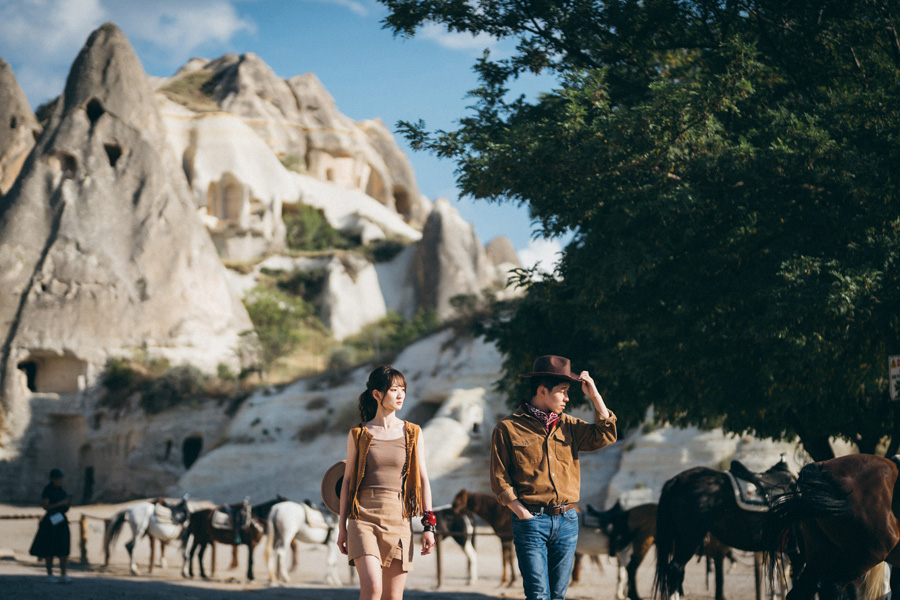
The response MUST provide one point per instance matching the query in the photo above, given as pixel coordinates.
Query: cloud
(454, 40)
(44, 36)
(543, 252)
(356, 7)
(176, 28)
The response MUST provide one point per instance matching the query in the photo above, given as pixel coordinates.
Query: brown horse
(248, 532)
(631, 532)
(848, 511)
(698, 506)
(498, 517)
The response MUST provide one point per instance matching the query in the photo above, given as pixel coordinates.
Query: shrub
(278, 319)
(307, 229)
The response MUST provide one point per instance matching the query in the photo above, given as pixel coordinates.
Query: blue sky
(369, 72)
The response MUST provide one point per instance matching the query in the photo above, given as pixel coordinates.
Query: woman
(52, 538)
(385, 485)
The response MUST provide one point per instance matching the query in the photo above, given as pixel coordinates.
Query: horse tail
(112, 531)
(665, 542)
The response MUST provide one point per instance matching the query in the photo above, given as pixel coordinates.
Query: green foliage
(306, 228)
(293, 162)
(194, 90)
(159, 387)
(278, 322)
(728, 171)
(384, 250)
(381, 341)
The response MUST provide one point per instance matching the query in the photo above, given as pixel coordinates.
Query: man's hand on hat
(589, 387)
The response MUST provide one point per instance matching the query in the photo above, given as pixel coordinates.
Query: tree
(728, 170)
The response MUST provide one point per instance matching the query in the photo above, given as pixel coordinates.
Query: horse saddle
(222, 519)
(315, 519)
(163, 514)
(755, 491)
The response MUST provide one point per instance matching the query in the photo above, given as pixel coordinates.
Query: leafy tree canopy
(729, 172)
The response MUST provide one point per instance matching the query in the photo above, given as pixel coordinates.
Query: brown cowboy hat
(553, 366)
(331, 486)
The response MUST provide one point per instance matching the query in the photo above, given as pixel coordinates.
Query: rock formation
(102, 252)
(18, 128)
(450, 261)
(301, 123)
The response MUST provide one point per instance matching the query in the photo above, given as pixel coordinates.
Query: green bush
(307, 229)
(278, 322)
(381, 341)
(180, 385)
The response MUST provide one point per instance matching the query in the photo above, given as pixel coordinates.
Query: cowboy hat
(552, 366)
(331, 486)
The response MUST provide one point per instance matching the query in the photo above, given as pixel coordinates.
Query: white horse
(290, 521)
(158, 520)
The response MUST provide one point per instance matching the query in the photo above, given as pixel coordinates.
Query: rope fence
(82, 523)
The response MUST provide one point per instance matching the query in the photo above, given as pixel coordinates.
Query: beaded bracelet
(428, 528)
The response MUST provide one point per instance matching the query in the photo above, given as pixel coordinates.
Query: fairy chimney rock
(102, 251)
(18, 127)
(450, 260)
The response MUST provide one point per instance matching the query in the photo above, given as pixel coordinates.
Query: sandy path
(22, 577)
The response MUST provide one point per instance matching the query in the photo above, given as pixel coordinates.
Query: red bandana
(548, 419)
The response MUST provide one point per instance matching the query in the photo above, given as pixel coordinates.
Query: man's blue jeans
(545, 547)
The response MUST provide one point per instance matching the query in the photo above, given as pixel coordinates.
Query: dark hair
(548, 381)
(381, 379)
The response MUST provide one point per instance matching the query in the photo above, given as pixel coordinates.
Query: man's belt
(550, 510)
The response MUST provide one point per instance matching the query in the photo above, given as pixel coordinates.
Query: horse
(461, 529)
(631, 534)
(157, 519)
(288, 522)
(261, 512)
(248, 530)
(498, 517)
(698, 506)
(593, 542)
(848, 511)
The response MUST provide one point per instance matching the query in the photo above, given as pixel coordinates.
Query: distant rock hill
(119, 211)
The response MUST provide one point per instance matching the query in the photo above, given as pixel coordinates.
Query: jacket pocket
(525, 451)
(565, 446)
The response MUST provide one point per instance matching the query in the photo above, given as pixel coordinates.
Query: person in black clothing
(52, 538)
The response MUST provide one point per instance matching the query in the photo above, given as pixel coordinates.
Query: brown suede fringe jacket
(412, 481)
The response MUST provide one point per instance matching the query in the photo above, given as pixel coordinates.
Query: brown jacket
(412, 485)
(540, 468)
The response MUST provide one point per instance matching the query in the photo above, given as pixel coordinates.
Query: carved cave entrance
(190, 450)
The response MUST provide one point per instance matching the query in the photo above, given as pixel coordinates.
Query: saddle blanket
(747, 495)
(315, 519)
(163, 515)
(222, 520)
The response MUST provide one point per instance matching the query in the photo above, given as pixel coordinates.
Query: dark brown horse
(848, 511)
(698, 506)
(498, 517)
(630, 532)
(248, 532)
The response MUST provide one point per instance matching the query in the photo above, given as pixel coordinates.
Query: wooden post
(439, 559)
(82, 530)
(106, 525)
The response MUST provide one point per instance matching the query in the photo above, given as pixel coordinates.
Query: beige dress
(381, 529)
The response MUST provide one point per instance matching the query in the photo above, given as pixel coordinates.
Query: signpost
(894, 378)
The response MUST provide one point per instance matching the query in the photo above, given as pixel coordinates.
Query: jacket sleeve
(501, 461)
(596, 435)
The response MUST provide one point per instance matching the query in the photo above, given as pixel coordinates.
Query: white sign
(894, 379)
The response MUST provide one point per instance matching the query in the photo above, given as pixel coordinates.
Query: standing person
(536, 474)
(385, 485)
(52, 538)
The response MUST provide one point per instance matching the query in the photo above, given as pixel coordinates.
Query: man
(536, 474)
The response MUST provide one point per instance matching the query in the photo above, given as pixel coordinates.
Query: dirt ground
(23, 578)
